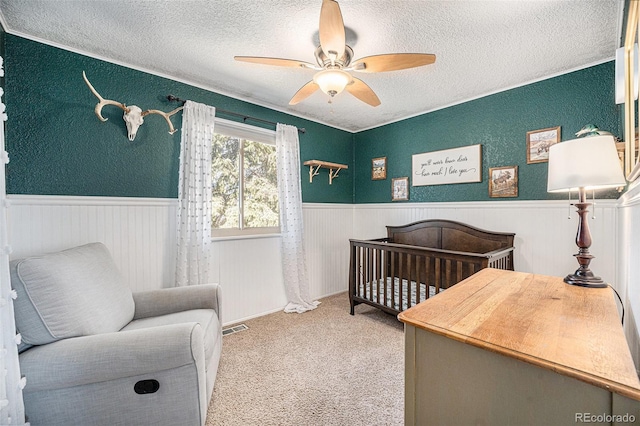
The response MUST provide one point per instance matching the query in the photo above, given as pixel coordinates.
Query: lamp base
(585, 280)
(583, 276)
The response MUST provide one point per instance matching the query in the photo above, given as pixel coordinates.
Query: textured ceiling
(481, 46)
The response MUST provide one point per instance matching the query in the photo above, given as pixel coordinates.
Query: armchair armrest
(109, 356)
(177, 299)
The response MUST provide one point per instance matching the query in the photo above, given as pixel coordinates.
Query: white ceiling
(482, 47)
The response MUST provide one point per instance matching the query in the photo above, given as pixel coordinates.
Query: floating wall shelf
(315, 165)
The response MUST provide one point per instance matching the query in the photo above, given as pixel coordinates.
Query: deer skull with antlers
(133, 115)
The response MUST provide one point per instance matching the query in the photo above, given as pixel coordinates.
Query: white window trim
(256, 134)
(233, 128)
(245, 237)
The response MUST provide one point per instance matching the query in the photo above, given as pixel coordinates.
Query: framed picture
(456, 165)
(379, 168)
(503, 181)
(399, 189)
(539, 142)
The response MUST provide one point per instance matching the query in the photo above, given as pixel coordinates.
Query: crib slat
(437, 274)
(385, 274)
(378, 273)
(365, 271)
(359, 270)
(409, 257)
(370, 272)
(393, 281)
(417, 280)
(398, 286)
(427, 283)
(447, 273)
(365, 274)
(417, 284)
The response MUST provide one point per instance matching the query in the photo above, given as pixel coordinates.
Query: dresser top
(538, 319)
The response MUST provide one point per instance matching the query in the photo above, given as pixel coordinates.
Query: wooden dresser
(504, 347)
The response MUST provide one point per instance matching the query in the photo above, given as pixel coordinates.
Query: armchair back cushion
(76, 292)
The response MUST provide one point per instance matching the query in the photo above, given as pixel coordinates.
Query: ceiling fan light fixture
(333, 57)
(332, 81)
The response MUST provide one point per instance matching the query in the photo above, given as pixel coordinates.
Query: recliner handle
(146, 386)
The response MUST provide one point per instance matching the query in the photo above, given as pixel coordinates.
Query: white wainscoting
(629, 266)
(250, 273)
(328, 228)
(545, 230)
(141, 236)
(139, 232)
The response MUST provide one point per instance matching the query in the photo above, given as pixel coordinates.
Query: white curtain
(294, 266)
(194, 195)
(11, 382)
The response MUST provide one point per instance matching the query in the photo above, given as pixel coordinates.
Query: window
(245, 181)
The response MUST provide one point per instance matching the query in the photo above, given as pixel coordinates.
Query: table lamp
(580, 165)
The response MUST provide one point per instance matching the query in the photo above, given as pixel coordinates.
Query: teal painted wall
(59, 147)
(499, 122)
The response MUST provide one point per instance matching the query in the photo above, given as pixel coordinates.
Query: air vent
(234, 329)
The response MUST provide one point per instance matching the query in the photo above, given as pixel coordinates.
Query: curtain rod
(245, 117)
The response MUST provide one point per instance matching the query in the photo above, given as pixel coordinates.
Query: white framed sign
(457, 165)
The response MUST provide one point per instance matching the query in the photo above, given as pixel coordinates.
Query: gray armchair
(94, 353)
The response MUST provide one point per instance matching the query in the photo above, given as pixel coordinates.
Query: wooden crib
(418, 260)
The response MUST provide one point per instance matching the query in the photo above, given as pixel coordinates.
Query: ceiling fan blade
(360, 90)
(392, 62)
(304, 92)
(332, 34)
(275, 61)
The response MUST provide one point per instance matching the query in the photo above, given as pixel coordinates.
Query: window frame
(243, 132)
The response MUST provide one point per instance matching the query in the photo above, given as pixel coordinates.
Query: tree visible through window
(245, 186)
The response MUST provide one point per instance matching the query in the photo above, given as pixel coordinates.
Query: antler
(102, 102)
(132, 115)
(166, 116)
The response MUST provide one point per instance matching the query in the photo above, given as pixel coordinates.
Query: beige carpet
(323, 367)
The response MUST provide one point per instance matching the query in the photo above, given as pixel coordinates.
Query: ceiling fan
(334, 58)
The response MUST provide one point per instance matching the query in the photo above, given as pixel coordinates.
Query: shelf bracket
(333, 175)
(313, 172)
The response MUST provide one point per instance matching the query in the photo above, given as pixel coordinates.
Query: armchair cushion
(85, 360)
(75, 292)
(207, 319)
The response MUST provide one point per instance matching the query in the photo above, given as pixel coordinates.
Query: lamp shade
(589, 163)
(332, 81)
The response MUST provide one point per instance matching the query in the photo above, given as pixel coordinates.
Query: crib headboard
(449, 235)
